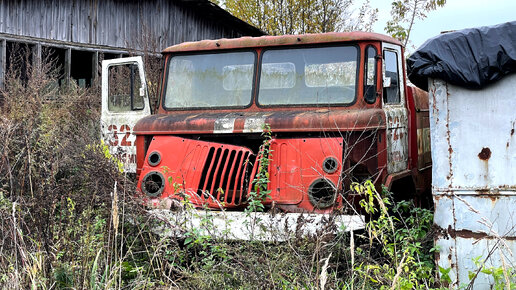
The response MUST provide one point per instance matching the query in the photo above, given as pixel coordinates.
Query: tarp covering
(470, 58)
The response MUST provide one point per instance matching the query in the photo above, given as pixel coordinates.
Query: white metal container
(474, 179)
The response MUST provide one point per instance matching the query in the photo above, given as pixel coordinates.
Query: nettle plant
(260, 183)
(400, 230)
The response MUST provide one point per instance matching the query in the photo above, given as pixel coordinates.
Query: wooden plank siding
(106, 29)
(121, 24)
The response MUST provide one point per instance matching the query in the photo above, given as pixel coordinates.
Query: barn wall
(114, 23)
(79, 33)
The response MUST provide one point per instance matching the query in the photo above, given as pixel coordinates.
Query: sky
(455, 15)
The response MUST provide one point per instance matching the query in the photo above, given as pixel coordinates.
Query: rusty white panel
(458, 255)
(238, 225)
(473, 135)
(446, 257)
(397, 122)
(475, 226)
(490, 214)
(473, 178)
(397, 145)
(254, 124)
(224, 125)
(117, 128)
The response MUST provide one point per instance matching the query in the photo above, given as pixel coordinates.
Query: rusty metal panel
(298, 164)
(397, 135)
(305, 173)
(397, 118)
(282, 40)
(472, 226)
(238, 121)
(117, 127)
(474, 178)
(210, 173)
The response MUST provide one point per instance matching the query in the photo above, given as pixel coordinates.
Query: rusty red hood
(252, 122)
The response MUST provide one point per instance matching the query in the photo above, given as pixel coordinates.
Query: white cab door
(124, 102)
(395, 108)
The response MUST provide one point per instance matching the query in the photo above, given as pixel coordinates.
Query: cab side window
(391, 93)
(124, 85)
(370, 75)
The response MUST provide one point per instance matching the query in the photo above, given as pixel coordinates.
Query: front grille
(225, 176)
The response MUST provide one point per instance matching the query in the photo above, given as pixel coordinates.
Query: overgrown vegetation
(405, 13)
(306, 16)
(70, 219)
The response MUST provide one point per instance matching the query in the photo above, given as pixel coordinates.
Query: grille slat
(209, 176)
(237, 176)
(226, 180)
(226, 167)
(217, 174)
(204, 174)
(243, 179)
(231, 178)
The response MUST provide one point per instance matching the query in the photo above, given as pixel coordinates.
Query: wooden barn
(79, 33)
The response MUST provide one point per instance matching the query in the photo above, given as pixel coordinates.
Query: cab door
(395, 108)
(124, 102)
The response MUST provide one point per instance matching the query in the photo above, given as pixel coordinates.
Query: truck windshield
(319, 75)
(210, 80)
(293, 76)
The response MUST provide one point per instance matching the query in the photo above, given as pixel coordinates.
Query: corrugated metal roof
(266, 41)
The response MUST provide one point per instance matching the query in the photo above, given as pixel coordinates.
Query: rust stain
(440, 233)
(488, 194)
(448, 139)
(280, 121)
(485, 154)
(468, 234)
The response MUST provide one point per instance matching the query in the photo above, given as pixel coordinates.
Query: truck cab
(335, 109)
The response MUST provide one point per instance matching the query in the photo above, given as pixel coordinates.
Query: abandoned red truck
(336, 106)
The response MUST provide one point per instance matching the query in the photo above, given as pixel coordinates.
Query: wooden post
(36, 56)
(94, 68)
(67, 65)
(3, 61)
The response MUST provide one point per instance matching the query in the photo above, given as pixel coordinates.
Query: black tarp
(470, 58)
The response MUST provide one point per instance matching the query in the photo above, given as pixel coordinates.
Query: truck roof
(268, 41)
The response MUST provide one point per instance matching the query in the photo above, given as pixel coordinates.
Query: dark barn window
(81, 69)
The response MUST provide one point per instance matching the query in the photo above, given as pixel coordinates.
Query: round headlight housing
(153, 184)
(154, 158)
